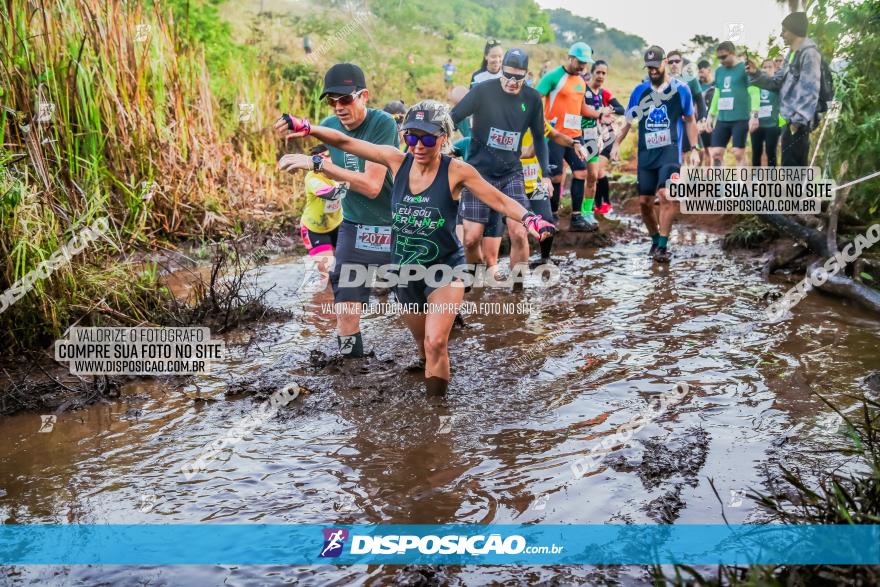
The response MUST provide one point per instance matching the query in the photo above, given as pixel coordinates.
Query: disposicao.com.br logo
(334, 541)
(449, 544)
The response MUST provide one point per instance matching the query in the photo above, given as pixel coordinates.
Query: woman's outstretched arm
(385, 155)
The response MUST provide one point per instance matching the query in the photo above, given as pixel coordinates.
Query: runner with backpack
(805, 88)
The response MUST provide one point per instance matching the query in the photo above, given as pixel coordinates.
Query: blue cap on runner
(581, 52)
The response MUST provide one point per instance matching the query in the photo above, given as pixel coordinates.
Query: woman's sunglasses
(413, 139)
(343, 100)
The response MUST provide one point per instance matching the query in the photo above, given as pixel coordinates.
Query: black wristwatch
(317, 163)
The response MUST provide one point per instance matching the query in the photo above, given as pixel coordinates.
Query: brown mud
(540, 378)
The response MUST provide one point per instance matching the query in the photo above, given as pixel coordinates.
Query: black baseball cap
(516, 58)
(343, 78)
(423, 120)
(654, 56)
(395, 107)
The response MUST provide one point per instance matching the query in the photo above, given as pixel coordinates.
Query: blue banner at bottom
(453, 544)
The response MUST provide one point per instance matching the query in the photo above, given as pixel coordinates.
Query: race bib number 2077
(373, 238)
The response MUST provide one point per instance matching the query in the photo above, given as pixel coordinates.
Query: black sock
(546, 245)
(436, 385)
(554, 199)
(716, 162)
(577, 195)
(602, 191)
(471, 270)
(351, 346)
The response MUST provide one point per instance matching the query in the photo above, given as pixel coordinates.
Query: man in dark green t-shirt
(766, 136)
(365, 233)
(733, 113)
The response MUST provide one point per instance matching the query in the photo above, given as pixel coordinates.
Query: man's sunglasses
(343, 100)
(513, 77)
(412, 140)
(723, 57)
(673, 61)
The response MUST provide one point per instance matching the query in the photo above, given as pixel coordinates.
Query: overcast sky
(671, 23)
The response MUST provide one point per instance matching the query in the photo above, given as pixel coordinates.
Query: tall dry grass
(107, 111)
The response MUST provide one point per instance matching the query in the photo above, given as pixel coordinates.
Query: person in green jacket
(766, 137)
(733, 113)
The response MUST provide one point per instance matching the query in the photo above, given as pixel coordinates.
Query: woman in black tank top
(428, 258)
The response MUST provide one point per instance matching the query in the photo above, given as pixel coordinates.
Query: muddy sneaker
(416, 366)
(662, 255)
(459, 321)
(534, 263)
(652, 250)
(605, 208)
(578, 224)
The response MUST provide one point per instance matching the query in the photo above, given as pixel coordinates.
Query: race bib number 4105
(373, 238)
(505, 140)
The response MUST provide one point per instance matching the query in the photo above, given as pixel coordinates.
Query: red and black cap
(343, 78)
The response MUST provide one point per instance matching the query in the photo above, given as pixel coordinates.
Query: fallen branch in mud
(825, 244)
(849, 288)
(227, 298)
(818, 276)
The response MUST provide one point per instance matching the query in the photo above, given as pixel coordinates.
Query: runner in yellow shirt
(322, 214)
(539, 198)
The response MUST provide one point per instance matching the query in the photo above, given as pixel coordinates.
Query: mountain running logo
(334, 540)
(658, 119)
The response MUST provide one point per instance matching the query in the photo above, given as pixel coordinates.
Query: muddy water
(528, 399)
